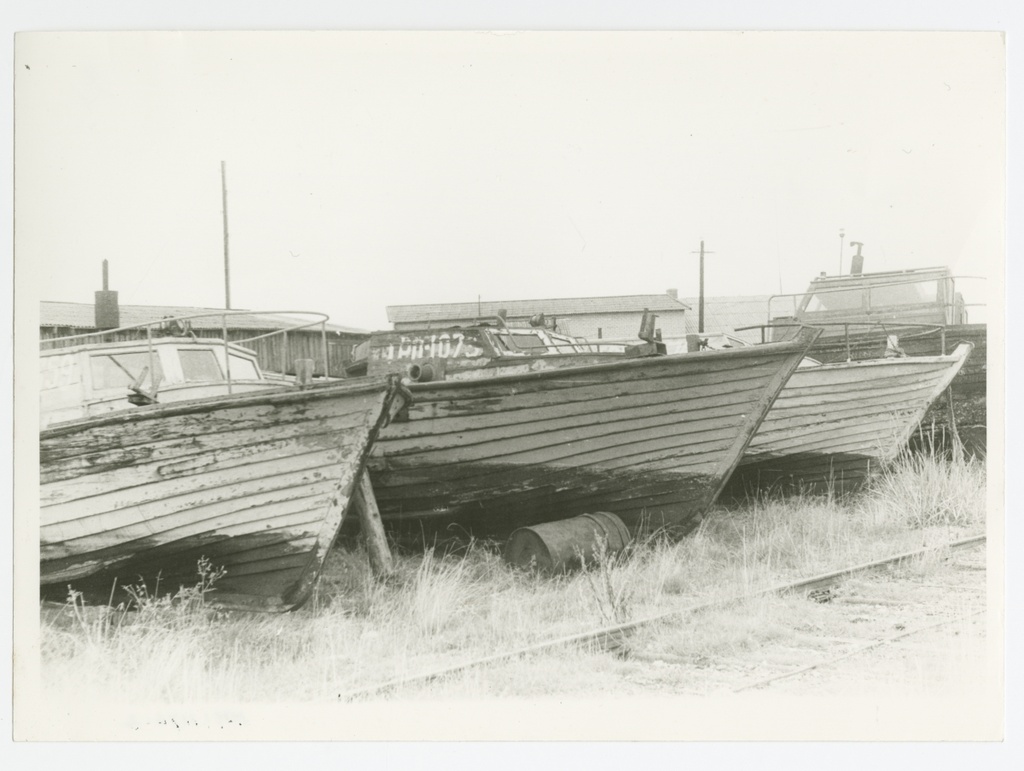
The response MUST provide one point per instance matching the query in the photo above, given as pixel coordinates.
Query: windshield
(120, 370)
(845, 300)
(199, 365)
(243, 369)
(905, 294)
(521, 341)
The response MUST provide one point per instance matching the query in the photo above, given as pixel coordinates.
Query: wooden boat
(967, 421)
(508, 432)
(257, 481)
(834, 424)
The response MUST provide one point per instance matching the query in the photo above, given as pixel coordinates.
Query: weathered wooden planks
(650, 438)
(969, 386)
(832, 425)
(149, 491)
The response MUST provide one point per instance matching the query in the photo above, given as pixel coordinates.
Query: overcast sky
(372, 169)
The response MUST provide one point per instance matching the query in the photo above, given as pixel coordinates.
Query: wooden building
(276, 353)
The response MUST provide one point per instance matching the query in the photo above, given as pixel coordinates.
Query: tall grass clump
(148, 645)
(923, 490)
(437, 592)
(612, 579)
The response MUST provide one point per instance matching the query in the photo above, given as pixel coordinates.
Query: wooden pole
(381, 562)
(700, 317)
(958, 446)
(224, 210)
(700, 301)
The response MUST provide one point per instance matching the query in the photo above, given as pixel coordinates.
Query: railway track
(615, 637)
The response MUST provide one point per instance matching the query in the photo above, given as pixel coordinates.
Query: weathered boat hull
(968, 416)
(833, 425)
(258, 484)
(651, 440)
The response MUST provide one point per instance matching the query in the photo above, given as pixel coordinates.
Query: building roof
(82, 316)
(566, 306)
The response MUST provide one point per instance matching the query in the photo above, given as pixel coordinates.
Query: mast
(700, 317)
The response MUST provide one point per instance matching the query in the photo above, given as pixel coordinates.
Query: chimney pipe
(857, 261)
(673, 293)
(107, 314)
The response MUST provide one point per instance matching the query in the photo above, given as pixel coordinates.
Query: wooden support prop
(958, 446)
(381, 562)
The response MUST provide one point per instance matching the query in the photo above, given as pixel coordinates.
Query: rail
(320, 320)
(885, 326)
(612, 637)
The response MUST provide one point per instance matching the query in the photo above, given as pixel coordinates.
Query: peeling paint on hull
(653, 437)
(259, 484)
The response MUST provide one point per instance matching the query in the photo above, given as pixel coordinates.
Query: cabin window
(201, 365)
(526, 341)
(905, 294)
(835, 301)
(243, 369)
(120, 370)
(515, 343)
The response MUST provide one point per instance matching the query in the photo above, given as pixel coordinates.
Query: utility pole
(842, 235)
(700, 302)
(224, 209)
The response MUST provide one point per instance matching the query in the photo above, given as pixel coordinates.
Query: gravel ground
(913, 631)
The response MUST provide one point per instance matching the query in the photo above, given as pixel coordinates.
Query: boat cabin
(92, 379)
(470, 352)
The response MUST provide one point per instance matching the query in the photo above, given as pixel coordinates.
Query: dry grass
(446, 608)
(928, 491)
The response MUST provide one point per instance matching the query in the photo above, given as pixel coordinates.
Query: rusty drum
(557, 547)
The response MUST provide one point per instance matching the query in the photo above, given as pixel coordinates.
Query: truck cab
(925, 296)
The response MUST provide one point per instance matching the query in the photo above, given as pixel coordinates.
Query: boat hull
(834, 425)
(258, 484)
(967, 417)
(651, 440)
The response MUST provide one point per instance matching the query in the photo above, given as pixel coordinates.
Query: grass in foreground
(443, 608)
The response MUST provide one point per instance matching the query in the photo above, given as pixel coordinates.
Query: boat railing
(887, 327)
(613, 345)
(320, 319)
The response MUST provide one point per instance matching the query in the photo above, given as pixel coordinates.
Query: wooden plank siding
(833, 425)
(969, 416)
(259, 484)
(652, 440)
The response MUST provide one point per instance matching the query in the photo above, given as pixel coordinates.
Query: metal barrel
(557, 547)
